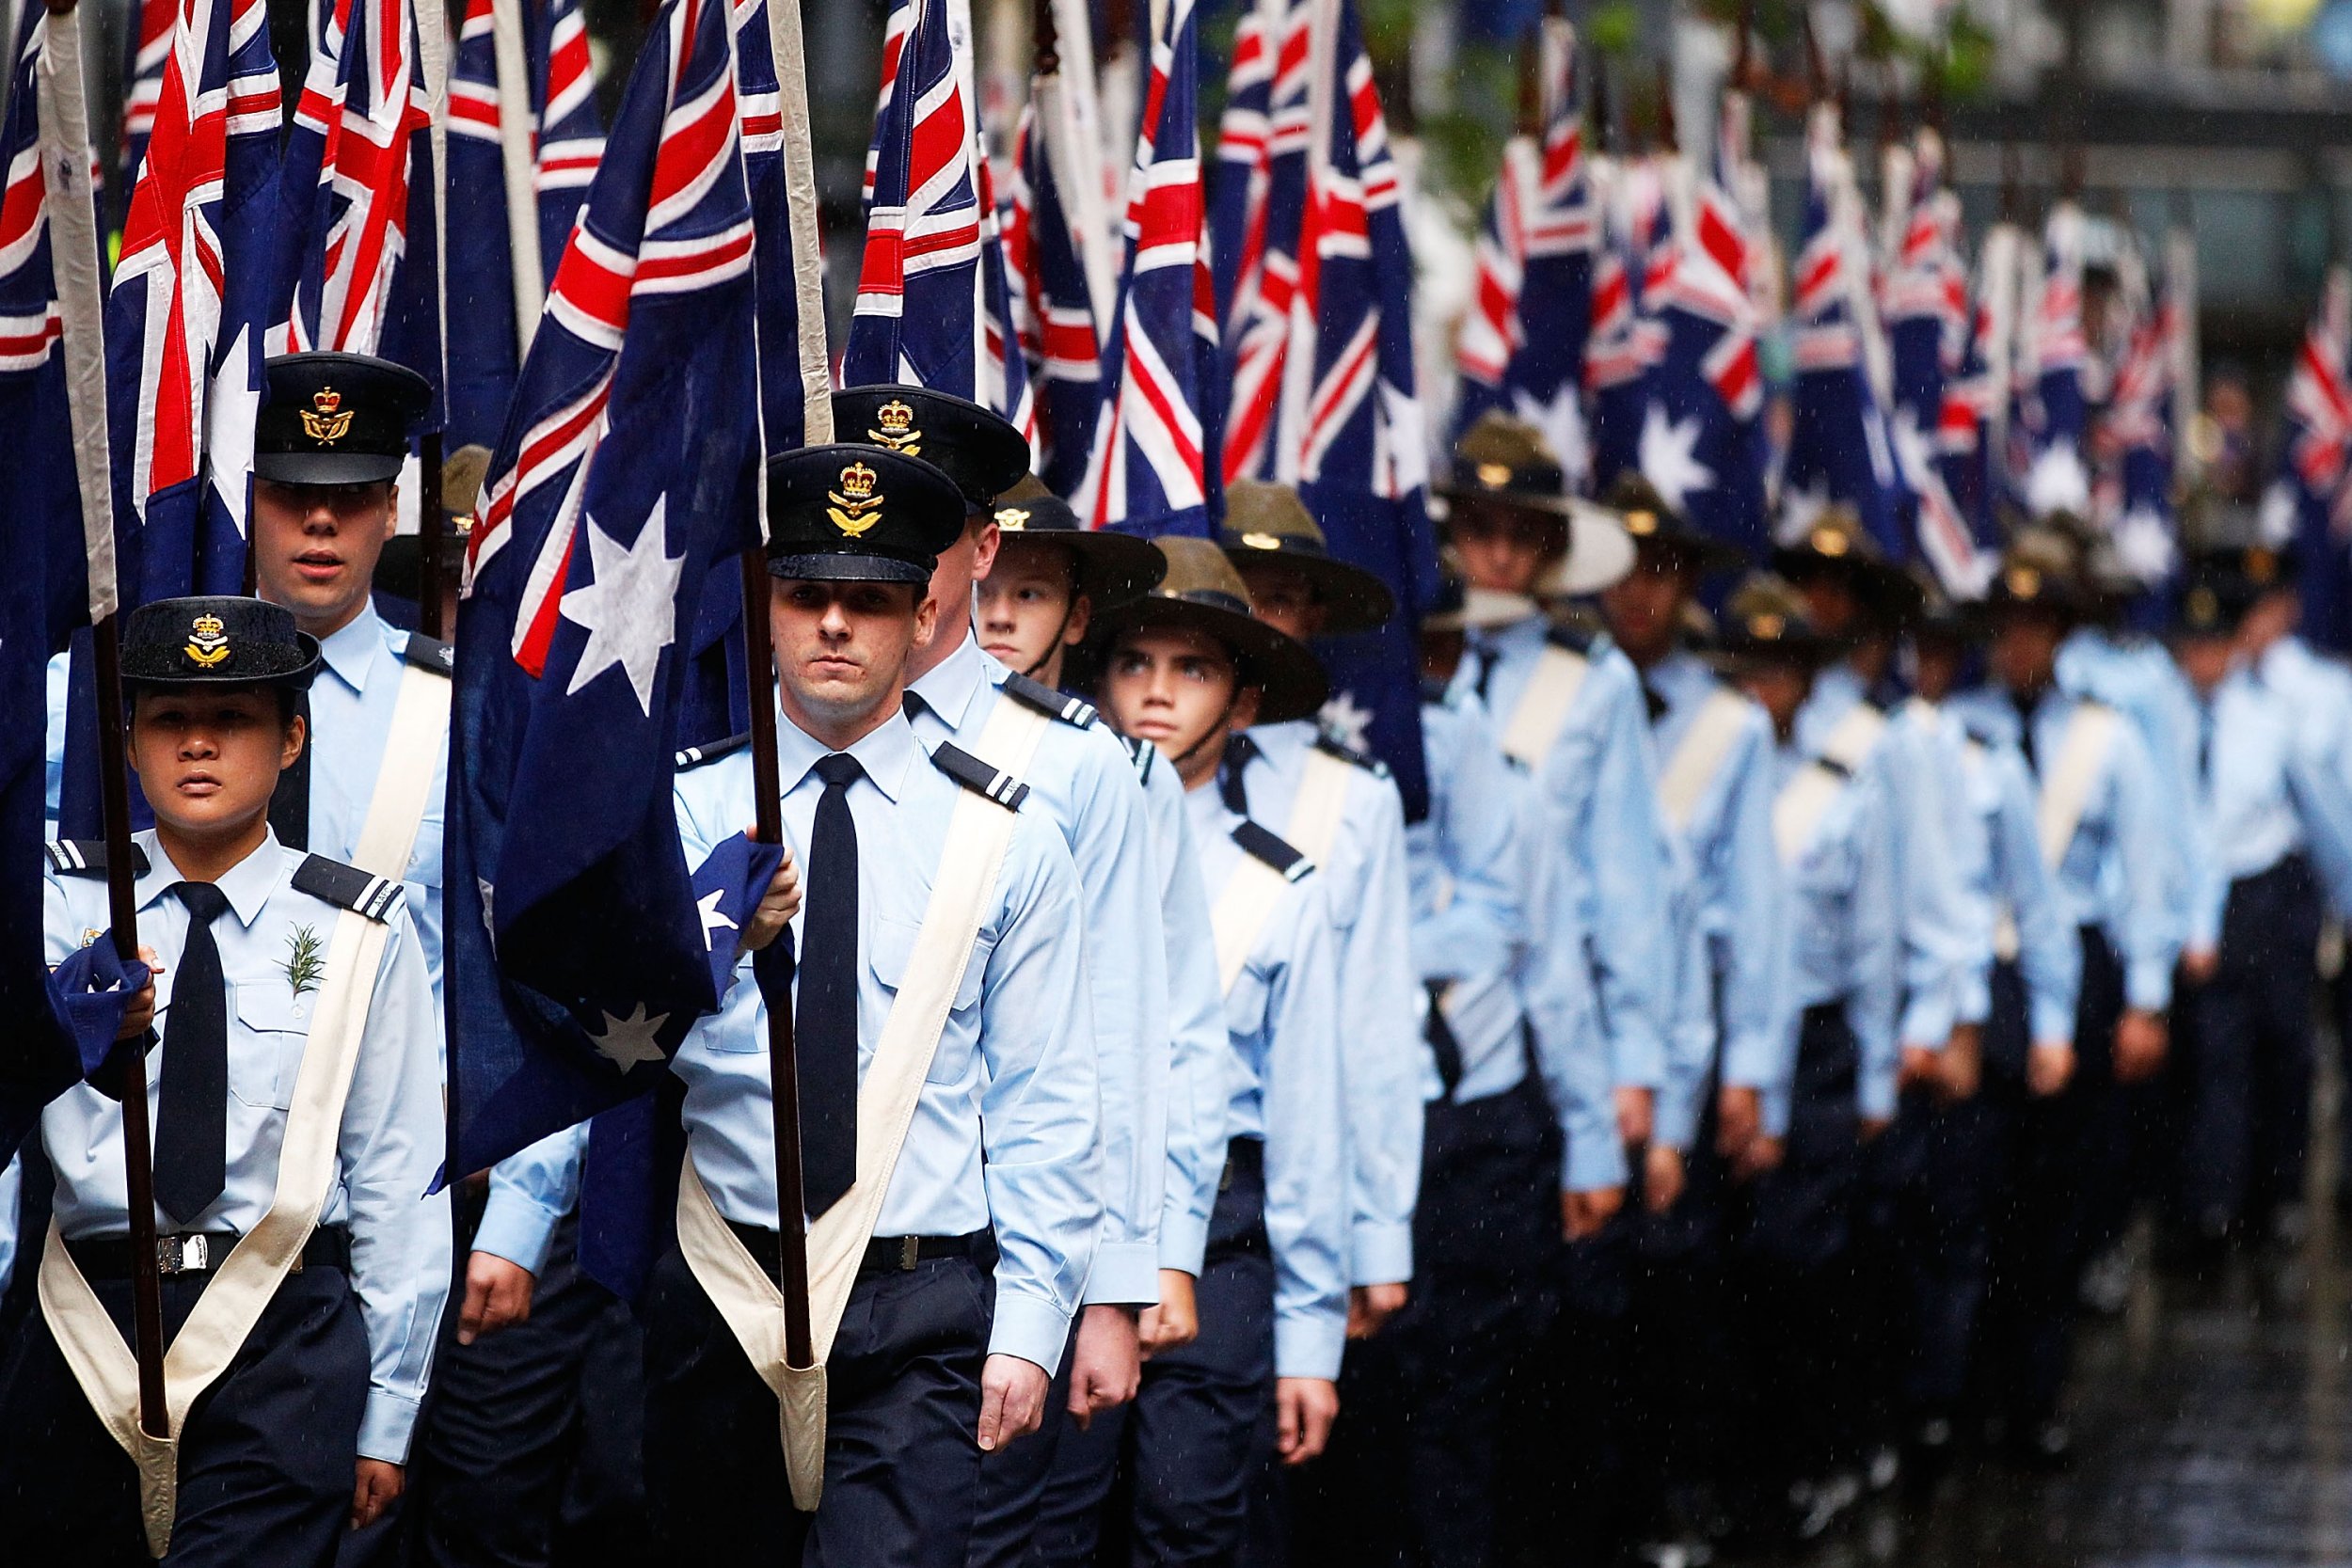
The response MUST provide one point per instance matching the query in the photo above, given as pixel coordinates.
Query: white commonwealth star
(626, 1041)
(1346, 719)
(1667, 456)
(629, 608)
(228, 426)
(713, 922)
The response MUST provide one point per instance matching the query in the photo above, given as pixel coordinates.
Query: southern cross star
(626, 1041)
(1668, 458)
(629, 606)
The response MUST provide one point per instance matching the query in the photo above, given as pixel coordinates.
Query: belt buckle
(1225, 1178)
(178, 1255)
(910, 1253)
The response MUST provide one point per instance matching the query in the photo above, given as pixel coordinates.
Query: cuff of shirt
(1755, 1059)
(1594, 1160)
(1875, 1092)
(1125, 1273)
(1028, 1327)
(2148, 984)
(386, 1424)
(517, 1228)
(1184, 1241)
(1677, 1118)
(1310, 1345)
(1637, 1058)
(1778, 1103)
(1927, 1019)
(1972, 1002)
(1379, 1252)
(2051, 1022)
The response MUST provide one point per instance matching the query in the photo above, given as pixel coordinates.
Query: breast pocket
(890, 954)
(265, 1050)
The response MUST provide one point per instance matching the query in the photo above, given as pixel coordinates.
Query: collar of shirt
(951, 687)
(1205, 813)
(248, 883)
(886, 751)
(351, 652)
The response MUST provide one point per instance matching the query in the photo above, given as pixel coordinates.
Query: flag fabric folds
(1051, 310)
(2317, 459)
(1926, 307)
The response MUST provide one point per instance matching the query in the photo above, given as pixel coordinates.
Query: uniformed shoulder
(87, 857)
(978, 777)
(711, 750)
(347, 887)
(1332, 746)
(1574, 639)
(1437, 694)
(1834, 767)
(1140, 752)
(1261, 843)
(430, 654)
(1053, 703)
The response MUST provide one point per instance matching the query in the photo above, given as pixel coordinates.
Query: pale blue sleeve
(1622, 843)
(1556, 989)
(11, 1193)
(1759, 1010)
(1874, 993)
(2148, 935)
(1381, 1047)
(1944, 934)
(390, 1149)
(2324, 805)
(1199, 1087)
(1481, 925)
(530, 1192)
(1691, 1048)
(1307, 1216)
(1040, 1117)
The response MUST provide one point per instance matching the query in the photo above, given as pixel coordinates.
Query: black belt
(883, 1254)
(1243, 1157)
(184, 1253)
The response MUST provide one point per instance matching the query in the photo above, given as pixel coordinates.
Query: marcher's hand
(1739, 1117)
(1959, 1067)
(1371, 1307)
(1916, 1067)
(1175, 1322)
(1105, 1364)
(377, 1488)
(777, 906)
(1661, 1177)
(1012, 1400)
(498, 1295)
(139, 1017)
(1304, 1407)
(1873, 1125)
(1763, 1154)
(1636, 1113)
(2049, 1066)
(2200, 964)
(2140, 1041)
(1583, 1214)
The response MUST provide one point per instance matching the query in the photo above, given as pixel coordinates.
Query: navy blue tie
(826, 1014)
(1230, 786)
(192, 1103)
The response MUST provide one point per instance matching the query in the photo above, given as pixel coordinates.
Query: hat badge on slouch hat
(857, 505)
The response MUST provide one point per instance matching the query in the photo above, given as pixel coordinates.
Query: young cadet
(2271, 824)
(1185, 667)
(1085, 784)
(2097, 823)
(1832, 830)
(946, 1083)
(1714, 749)
(1338, 807)
(297, 1125)
(1984, 1178)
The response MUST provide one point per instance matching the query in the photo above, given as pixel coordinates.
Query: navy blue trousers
(1013, 1480)
(531, 1448)
(267, 1457)
(1167, 1479)
(902, 1468)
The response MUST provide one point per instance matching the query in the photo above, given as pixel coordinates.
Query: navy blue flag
(2315, 477)
(579, 953)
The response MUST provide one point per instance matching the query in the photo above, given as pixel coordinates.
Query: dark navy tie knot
(839, 770)
(204, 901)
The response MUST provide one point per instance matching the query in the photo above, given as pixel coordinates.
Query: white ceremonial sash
(978, 833)
(241, 1288)
(1797, 809)
(1315, 810)
(1542, 710)
(1699, 758)
(1242, 910)
(2066, 793)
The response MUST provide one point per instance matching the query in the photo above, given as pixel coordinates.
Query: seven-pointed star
(1668, 459)
(229, 423)
(626, 1041)
(714, 921)
(630, 608)
(1347, 719)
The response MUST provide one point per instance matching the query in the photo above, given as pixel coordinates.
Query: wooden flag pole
(432, 530)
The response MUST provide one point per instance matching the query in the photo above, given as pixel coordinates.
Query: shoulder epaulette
(1436, 692)
(1576, 639)
(1260, 844)
(978, 777)
(347, 887)
(1332, 745)
(711, 750)
(1833, 767)
(1053, 703)
(427, 653)
(87, 857)
(1140, 752)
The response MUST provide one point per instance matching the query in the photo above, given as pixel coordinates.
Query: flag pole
(73, 245)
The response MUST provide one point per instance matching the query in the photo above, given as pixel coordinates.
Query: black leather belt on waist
(199, 1252)
(883, 1254)
(1243, 1157)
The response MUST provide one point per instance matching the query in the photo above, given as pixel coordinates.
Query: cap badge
(1829, 542)
(1494, 476)
(2261, 565)
(1767, 627)
(2024, 582)
(1013, 520)
(856, 506)
(322, 422)
(2204, 608)
(207, 644)
(1641, 524)
(895, 422)
(1262, 541)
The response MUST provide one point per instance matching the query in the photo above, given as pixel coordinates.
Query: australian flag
(2053, 413)
(1927, 328)
(1149, 471)
(2134, 440)
(566, 140)
(578, 954)
(2313, 482)
(145, 48)
(1053, 312)
(1255, 220)
(1626, 339)
(1840, 448)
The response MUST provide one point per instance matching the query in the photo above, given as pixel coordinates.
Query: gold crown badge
(2024, 582)
(322, 422)
(857, 505)
(208, 645)
(1013, 520)
(897, 432)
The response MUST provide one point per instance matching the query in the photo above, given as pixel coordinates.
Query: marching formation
(1035, 940)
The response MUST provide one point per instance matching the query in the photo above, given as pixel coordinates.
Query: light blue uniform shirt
(1005, 1134)
(2260, 797)
(1462, 858)
(1366, 884)
(2013, 878)
(1599, 790)
(2137, 678)
(1083, 780)
(1944, 936)
(530, 1192)
(1734, 946)
(1200, 1074)
(1282, 1020)
(1846, 947)
(390, 1144)
(2318, 691)
(2113, 872)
